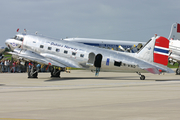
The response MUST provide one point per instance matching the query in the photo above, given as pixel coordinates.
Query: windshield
(18, 38)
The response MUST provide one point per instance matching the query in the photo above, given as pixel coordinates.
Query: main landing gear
(32, 73)
(56, 72)
(142, 77)
(178, 69)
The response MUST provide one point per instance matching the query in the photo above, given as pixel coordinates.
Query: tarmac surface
(80, 95)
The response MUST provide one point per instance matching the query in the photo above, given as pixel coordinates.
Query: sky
(128, 20)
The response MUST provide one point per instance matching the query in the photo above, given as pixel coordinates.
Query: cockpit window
(21, 39)
(18, 38)
(15, 37)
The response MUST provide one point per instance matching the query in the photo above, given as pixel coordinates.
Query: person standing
(2, 65)
(14, 66)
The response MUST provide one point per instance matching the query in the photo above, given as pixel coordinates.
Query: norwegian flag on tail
(178, 27)
(161, 51)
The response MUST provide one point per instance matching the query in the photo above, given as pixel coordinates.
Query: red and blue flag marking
(161, 50)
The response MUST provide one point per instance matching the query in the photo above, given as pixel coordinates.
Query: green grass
(76, 69)
(172, 66)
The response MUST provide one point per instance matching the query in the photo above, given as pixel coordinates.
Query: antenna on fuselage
(25, 31)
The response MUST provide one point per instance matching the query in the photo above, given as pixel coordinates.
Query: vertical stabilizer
(175, 32)
(156, 50)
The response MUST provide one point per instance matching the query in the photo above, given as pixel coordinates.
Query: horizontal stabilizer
(152, 70)
(156, 68)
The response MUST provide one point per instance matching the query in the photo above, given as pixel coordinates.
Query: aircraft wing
(48, 60)
(60, 59)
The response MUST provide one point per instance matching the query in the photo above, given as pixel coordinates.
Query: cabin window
(117, 63)
(49, 48)
(57, 50)
(73, 53)
(81, 55)
(41, 46)
(65, 51)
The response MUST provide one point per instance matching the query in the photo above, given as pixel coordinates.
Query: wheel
(177, 71)
(30, 75)
(54, 73)
(142, 77)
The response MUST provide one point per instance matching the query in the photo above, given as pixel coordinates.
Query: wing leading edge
(42, 58)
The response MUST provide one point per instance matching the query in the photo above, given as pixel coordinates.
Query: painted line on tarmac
(15, 119)
(85, 85)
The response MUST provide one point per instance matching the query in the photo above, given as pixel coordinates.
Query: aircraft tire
(142, 77)
(177, 71)
(55, 75)
(32, 75)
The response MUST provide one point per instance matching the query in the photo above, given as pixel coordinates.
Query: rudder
(161, 51)
(156, 50)
(175, 32)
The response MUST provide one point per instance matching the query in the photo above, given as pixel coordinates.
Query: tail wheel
(142, 77)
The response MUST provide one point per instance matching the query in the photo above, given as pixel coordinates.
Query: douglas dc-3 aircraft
(153, 57)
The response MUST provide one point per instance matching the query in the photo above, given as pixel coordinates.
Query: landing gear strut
(178, 69)
(142, 77)
(32, 73)
(55, 72)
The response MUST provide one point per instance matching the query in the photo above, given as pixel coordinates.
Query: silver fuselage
(110, 59)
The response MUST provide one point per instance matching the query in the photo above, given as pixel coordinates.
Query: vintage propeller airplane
(153, 57)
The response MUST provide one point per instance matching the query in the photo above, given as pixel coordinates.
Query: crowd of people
(7, 66)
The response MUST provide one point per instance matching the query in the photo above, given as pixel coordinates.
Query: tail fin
(156, 50)
(175, 32)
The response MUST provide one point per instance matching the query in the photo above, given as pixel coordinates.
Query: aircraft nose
(7, 42)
